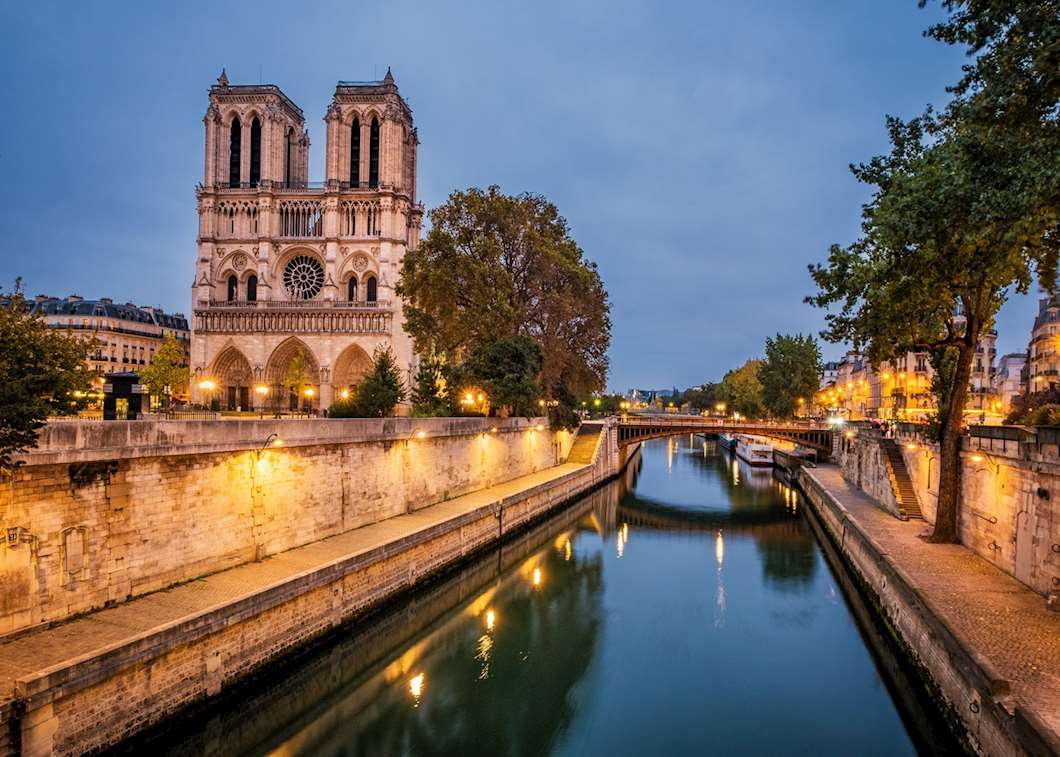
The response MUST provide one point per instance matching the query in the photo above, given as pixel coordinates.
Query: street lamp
(206, 385)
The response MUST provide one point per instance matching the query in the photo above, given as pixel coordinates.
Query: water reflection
(717, 630)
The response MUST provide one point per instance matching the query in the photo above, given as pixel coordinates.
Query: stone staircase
(585, 443)
(901, 483)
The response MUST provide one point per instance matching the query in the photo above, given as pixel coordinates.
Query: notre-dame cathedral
(287, 267)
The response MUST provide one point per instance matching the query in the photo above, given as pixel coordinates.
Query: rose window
(303, 277)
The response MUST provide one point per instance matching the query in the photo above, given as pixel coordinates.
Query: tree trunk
(946, 531)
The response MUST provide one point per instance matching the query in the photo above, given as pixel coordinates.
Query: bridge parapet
(638, 428)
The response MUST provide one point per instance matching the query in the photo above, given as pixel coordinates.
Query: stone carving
(239, 262)
(222, 80)
(360, 263)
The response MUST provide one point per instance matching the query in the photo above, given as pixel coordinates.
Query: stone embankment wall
(104, 511)
(976, 691)
(1010, 494)
(90, 702)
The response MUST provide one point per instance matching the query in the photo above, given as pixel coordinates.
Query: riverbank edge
(98, 700)
(969, 688)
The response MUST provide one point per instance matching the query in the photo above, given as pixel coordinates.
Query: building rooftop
(105, 307)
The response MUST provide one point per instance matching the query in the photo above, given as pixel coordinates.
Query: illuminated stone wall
(1010, 496)
(102, 512)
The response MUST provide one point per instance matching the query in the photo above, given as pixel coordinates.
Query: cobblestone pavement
(1001, 618)
(96, 632)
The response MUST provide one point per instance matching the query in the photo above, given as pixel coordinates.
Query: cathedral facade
(296, 278)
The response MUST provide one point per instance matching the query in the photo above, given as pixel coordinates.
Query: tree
(741, 390)
(507, 370)
(964, 211)
(381, 389)
(430, 394)
(167, 369)
(297, 375)
(494, 266)
(790, 372)
(42, 373)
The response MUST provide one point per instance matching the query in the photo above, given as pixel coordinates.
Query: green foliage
(704, 397)
(965, 210)
(430, 393)
(167, 368)
(381, 389)
(42, 373)
(507, 369)
(741, 390)
(297, 375)
(789, 372)
(494, 266)
(1043, 415)
(345, 408)
(564, 413)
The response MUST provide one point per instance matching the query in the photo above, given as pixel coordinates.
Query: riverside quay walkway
(989, 642)
(83, 684)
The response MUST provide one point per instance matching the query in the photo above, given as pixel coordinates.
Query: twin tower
(295, 279)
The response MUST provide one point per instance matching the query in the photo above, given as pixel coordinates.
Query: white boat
(754, 450)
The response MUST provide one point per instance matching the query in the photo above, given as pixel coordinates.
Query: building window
(370, 289)
(355, 153)
(233, 153)
(252, 289)
(233, 286)
(351, 289)
(255, 152)
(373, 155)
(287, 159)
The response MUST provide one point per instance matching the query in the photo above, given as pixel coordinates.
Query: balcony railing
(295, 305)
(313, 187)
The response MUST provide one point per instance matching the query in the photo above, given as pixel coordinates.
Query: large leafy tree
(494, 266)
(507, 369)
(964, 211)
(741, 390)
(790, 372)
(168, 369)
(42, 373)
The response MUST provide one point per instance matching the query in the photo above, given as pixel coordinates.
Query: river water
(687, 609)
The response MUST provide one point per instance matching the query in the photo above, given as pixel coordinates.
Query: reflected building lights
(719, 583)
(735, 472)
(621, 539)
(537, 578)
(568, 551)
(416, 684)
(491, 619)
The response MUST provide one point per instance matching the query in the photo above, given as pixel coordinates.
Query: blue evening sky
(699, 150)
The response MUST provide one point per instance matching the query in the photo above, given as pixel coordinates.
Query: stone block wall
(144, 505)
(1010, 499)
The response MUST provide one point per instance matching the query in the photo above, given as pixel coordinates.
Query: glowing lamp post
(207, 386)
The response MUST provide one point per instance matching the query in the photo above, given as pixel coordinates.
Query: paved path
(94, 633)
(1002, 619)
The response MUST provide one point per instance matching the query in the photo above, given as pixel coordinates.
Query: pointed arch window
(373, 154)
(233, 288)
(351, 289)
(355, 153)
(252, 288)
(287, 159)
(234, 149)
(370, 289)
(255, 152)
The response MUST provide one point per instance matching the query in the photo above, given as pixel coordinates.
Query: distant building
(1008, 379)
(127, 336)
(829, 374)
(1044, 356)
(901, 389)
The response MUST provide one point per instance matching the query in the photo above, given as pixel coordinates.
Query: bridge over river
(638, 428)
